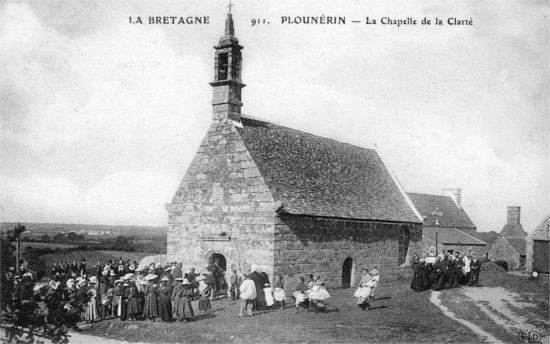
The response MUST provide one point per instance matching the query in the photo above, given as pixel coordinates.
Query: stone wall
(222, 205)
(542, 232)
(502, 250)
(305, 245)
(479, 250)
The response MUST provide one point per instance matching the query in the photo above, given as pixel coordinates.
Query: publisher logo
(529, 337)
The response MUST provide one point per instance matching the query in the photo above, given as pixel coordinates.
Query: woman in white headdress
(150, 308)
(91, 307)
(317, 294)
(363, 292)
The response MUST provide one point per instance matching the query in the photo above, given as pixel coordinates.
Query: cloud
(100, 120)
(81, 111)
(122, 198)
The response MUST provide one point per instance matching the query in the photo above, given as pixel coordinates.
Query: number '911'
(259, 21)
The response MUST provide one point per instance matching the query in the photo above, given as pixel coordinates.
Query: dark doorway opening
(346, 272)
(221, 260)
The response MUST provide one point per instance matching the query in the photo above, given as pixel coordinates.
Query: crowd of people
(445, 271)
(123, 289)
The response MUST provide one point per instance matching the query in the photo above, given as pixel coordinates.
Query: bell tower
(227, 83)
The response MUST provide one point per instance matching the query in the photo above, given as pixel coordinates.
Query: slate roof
(453, 216)
(313, 175)
(519, 245)
(451, 236)
(488, 237)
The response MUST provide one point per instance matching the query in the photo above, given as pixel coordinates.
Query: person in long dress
(268, 293)
(317, 295)
(248, 295)
(363, 291)
(376, 279)
(204, 292)
(165, 299)
(117, 296)
(183, 294)
(258, 280)
(132, 300)
(438, 273)
(150, 309)
(299, 295)
(91, 306)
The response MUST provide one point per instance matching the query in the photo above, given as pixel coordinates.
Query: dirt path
(508, 311)
(489, 338)
(504, 307)
(72, 338)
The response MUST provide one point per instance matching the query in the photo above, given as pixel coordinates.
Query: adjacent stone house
(538, 243)
(451, 239)
(515, 235)
(447, 226)
(296, 203)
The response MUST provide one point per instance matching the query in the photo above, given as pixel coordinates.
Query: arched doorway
(221, 260)
(346, 272)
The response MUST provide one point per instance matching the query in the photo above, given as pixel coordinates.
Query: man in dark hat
(82, 269)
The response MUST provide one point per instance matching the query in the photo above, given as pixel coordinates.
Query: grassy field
(92, 257)
(52, 245)
(399, 315)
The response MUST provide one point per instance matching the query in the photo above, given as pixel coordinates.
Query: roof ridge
(399, 186)
(359, 145)
(418, 193)
(470, 236)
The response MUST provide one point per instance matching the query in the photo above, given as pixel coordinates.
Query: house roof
(542, 231)
(451, 236)
(519, 245)
(313, 175)
(488, 237)
(453, 216)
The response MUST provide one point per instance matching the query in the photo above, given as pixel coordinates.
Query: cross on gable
(229, 6)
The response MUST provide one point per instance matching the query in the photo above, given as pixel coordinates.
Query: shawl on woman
(365, 279)
(248, 290)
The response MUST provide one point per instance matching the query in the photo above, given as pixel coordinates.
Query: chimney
(455, 194)
(514, 215)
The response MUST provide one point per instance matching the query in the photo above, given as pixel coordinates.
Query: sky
(100, 118)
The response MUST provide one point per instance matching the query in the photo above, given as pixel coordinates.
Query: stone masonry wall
(479, 250)
(542, 232)
(222, 195)
(502, 250)
(305, 245)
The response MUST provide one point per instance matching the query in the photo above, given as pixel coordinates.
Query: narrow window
(404, 239)
(222, 66)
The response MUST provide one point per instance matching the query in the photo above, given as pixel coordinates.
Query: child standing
(279, 293)
(268, 292)
(133, 302)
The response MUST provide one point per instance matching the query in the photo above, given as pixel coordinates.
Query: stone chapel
(293, 202)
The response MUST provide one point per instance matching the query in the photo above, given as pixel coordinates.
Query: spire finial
(229, 29)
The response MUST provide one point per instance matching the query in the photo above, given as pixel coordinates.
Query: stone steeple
(227, 82)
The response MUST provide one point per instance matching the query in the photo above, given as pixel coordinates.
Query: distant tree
(59, 238)
(72, 237)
